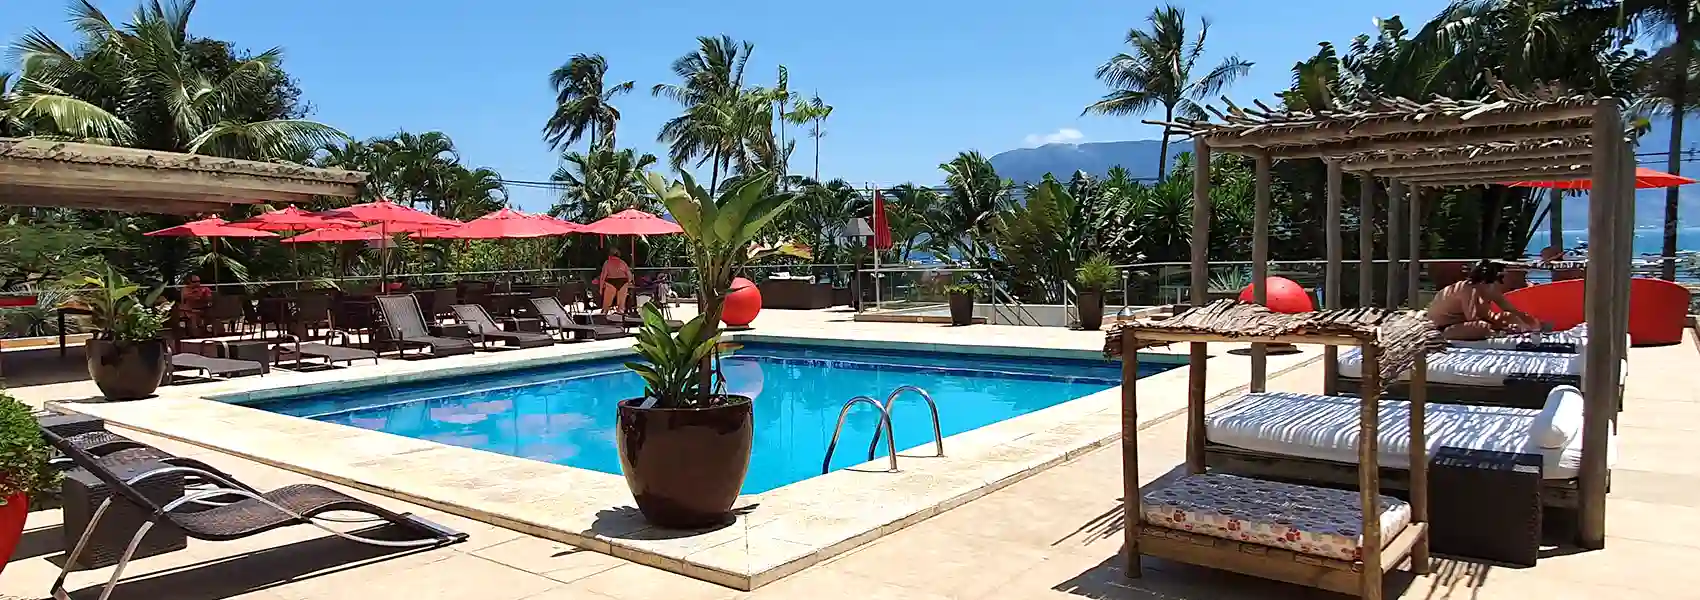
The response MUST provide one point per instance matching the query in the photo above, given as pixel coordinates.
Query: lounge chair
(292, 350)
(1569, 341)
(213, 367)
(110, 447)
(1313, 438)
(1484, 377)
(556, 317)
(479, 322)
(406, 325)
(256, 513)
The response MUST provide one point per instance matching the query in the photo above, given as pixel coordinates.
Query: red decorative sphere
(742, 305)
(1284, 296)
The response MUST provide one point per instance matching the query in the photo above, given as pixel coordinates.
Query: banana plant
(119, 309)
(721, 233)
(671, 366)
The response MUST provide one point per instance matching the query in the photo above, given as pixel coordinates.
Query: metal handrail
(885, 421)
(938, 433)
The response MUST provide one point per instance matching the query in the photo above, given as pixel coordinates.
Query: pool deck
(1024, 534)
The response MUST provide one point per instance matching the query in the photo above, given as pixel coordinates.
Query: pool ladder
(884, 426)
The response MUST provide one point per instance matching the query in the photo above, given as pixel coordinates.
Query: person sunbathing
(1465, 310)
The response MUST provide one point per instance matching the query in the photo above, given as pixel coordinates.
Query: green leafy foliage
(121, 311)
(1096, 274)
(673, 362)
(23, 452)
(961, 289)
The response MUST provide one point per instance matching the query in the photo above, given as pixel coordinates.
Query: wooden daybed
(1326, 538)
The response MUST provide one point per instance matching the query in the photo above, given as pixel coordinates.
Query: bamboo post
(1131, 510)
(1602, 263)
(1419, 461)
(1395, 237)
(1369, 472)
(1366, 239)
(1625, 256)
(1414, 225)
(1260, 268)
(1331, 276)
(1555, 219)
(1198, 351)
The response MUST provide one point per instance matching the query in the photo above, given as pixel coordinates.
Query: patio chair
(228, 311)
(556, 317)
(112, 448)
(480, 324)
(256, 513)
(313, 311)
(442, 299)
(213, 367)
(294, 351)
(406, 325)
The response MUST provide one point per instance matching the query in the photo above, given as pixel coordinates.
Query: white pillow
(1560, 419)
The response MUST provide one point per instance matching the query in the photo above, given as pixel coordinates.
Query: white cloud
(1066, 135)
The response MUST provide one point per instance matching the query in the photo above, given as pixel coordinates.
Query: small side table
(452, 330)
(1485, 505)
(523, 324)
(82, 494)
(259, 351)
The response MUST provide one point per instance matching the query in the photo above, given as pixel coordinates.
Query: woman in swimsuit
(1464, 310)
(616, 282)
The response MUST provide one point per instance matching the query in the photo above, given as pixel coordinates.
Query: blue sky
(913, 82)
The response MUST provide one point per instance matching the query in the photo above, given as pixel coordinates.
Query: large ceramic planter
(685, 466)
(961, 309)
(126, 370)
(12, 517)
(1091, 307)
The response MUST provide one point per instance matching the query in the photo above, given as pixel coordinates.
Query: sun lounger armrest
(202, 474)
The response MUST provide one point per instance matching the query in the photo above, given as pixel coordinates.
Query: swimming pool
(565, 413)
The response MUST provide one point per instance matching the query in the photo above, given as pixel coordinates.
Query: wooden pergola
(51, 174)
(1416, 147)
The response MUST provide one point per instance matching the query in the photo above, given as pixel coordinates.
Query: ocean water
(566, 414)
(1647, 240)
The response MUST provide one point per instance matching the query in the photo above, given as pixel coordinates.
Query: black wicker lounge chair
(556, 317)
(482, 326)
(406, 325)
(111, 447)
(331, 352)
(257, 513)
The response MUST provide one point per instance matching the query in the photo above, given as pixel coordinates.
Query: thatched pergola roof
(1401, 335)
(46, 173)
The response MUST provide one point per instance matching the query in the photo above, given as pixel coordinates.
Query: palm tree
(711, 89)
(583, 103)
(1673, 66)
(417, 166)
(812, 113)
(472, 193)
(1159, 72)
(139, 85)
(602, 182)
(966, 221)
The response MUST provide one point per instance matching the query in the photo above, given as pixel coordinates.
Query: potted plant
(127, 358)
(1094, 276)
(23, 470)
(685, 444)
(961, 303)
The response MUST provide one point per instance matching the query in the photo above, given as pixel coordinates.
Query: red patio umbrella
(505, 223)
(290, 218)
(632, 222)
(334, 235)
(388, 218)
(1644, 179)
(211, 228)
(882, 225)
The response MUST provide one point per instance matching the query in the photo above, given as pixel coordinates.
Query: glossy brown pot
(685, 466)
(961, 309)
(1091, 307)
(126, 370)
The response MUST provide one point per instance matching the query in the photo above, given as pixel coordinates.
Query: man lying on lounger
(1464, 310)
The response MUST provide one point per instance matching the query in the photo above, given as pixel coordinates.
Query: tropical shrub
(119, 310)
(23, 453)
(1095, 274)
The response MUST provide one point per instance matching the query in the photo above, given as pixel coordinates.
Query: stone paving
(1056, 534)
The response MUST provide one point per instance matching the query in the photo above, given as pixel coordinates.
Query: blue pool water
(565, 413)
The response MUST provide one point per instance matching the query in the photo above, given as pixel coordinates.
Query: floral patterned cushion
(1309, 520)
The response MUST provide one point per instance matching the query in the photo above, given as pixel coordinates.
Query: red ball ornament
(742, 305)
(1283, 294)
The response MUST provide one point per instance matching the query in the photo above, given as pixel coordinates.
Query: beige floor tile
(555, 560)
(457, 577)
(638, 582)
(940, 561)
(832, 584)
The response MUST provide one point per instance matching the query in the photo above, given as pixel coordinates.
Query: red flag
(882, 225)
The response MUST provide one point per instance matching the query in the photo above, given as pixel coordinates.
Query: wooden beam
(1401, 124)
(1331, 274)
(1260, 267)
(36, 197)
(1484, 167)
(1420, 143)
(1366, 240)
(1508, 176)
(1555, 218)
(1369, 472)
(162, 182)
(1597, 389)
(1395, 237)
(1198, 353)
(1414, 226)
(1419, 462)
(1132, 514)
(1457, 157)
